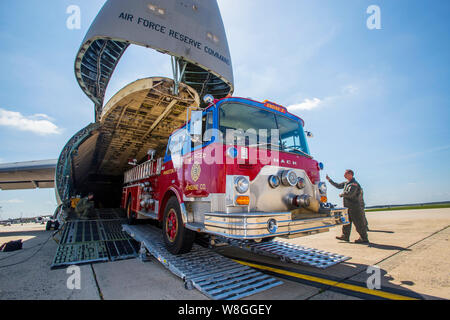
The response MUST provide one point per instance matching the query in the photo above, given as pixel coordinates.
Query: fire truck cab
(238, 169)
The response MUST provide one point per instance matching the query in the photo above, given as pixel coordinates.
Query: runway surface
(410, 250)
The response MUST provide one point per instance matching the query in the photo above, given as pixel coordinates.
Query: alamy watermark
(374, 280)
(74, 280)
(250, 147)
(73, 22)
(374, 20)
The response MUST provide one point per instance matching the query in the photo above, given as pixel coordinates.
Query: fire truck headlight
(241, 184)
(323, 188)
(289, 178)
(301, 183)
(274, 181)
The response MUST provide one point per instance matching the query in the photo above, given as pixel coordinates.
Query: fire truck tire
(131, 216)
(177, 238)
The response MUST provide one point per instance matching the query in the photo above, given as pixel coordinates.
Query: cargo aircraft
(191, 33)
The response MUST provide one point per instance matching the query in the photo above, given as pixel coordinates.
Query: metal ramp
(292, 253)
(88, 241)
(216, 276)
(80, 242)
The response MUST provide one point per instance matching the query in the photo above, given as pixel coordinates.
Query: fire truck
(238, 169)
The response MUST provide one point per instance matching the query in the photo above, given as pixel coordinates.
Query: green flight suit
(84, 208)
(363, 208)
(352, 200)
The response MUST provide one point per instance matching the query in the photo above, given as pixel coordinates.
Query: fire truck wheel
(177, 238)
(131, 216)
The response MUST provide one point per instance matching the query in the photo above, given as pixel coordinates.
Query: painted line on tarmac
(360, 291)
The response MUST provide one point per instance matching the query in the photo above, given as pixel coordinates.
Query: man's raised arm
(336, 185)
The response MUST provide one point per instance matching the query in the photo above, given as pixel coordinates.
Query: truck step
(292, 253)
(216, 276)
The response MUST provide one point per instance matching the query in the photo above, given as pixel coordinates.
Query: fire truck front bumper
(258, 225)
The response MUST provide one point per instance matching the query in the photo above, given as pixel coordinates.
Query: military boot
(362, 241)
(343, 238)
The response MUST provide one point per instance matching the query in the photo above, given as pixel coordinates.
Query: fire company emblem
(195, 172)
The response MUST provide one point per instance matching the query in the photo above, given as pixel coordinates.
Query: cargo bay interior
(139, 117)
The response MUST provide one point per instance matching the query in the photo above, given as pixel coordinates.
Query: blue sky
(377, 101)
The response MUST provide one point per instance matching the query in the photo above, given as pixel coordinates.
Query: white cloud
(347, 91)
(11, 201)
(307, 104)
(40, 116)
(350, 89)
(38, 123)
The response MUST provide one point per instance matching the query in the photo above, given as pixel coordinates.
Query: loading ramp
(290, 253)
(217, 277)
(100, 239)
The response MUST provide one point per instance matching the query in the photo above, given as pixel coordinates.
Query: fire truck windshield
(256, 122)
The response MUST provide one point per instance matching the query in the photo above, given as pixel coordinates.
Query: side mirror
(196, 123)
(309, 134)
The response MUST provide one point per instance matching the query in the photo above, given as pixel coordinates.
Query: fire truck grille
(216, 276)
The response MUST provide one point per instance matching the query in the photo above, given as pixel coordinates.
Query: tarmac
(410, 248)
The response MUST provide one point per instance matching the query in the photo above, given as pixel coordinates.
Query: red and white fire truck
(238, 169)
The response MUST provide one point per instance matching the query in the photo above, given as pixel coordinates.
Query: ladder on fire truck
(219, 277)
